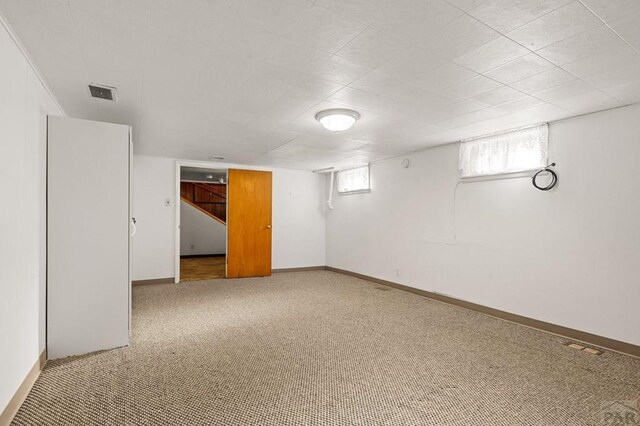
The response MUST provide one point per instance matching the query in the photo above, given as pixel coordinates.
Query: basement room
(320, 212)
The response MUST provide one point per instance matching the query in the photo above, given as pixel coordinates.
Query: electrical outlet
(397, 272)
(193, 247)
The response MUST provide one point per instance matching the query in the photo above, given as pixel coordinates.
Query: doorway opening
(238, 201)
(203, 223)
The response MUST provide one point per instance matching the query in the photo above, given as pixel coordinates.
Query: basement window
(354, 180)
(517, 151)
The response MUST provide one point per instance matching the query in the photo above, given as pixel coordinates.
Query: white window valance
(353, 180)
(517, 151)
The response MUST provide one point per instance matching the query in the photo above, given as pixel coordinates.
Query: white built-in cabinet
(88, 236)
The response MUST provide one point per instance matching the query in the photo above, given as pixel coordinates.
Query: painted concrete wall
(199, 233)
(24, 105)
(298, 217)
(570, 256)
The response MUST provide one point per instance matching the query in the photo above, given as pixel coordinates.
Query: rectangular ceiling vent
(103, 92)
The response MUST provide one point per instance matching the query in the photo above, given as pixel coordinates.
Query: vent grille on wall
(103, 92)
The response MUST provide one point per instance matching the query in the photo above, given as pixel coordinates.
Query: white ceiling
(243, 79)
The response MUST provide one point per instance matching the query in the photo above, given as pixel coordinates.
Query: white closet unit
(88, 236)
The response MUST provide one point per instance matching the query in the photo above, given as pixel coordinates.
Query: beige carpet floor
(320, 348)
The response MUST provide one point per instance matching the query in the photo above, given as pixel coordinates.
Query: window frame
(544, 127)
(355, 191)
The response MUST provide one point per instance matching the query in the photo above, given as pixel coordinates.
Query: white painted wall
(199, 233)
(298, 217)
(569, 257)
(24, 105)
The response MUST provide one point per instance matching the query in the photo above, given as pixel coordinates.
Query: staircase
(209, 198)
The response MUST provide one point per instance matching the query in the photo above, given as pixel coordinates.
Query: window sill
(500, 176)
(360, 191)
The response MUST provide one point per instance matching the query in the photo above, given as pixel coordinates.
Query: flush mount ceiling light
(337, 119)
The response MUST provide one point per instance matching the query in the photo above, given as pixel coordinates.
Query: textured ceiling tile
(519, 104)
(362, 10)
(595, 41)
(466, 5)
(47, 18)
(415, 97)
(613, 9)
(444, 76)
(596, 64)
(362, 100)
(585, 103)
(132, 11)
(471, 118)
(613, 76)
(567, 90)
(60, 59)
(372, 48)
(245, 76)
(493, 54)
(543, 81)
(297, 57)
(290, 105)
(520, 68)
(628, 28)
(381, 83)
(340, 70)
(457, 38)
(273, 16)
(542, 113)
(472, 87)
(498, 96)
(425, 115)
(389, 137)
(321, 28)
(194, 24)
(628, 92)
(425, 69)
(507, 15)
(562, 23)
(412, 20)
(112, 49)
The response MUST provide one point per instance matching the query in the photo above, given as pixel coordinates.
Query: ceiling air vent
(103, 92)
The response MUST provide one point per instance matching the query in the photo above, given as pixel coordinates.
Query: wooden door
(248, 223)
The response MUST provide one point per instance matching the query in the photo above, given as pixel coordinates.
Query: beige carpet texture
(322, 348)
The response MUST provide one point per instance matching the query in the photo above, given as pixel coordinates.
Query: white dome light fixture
(338, 119)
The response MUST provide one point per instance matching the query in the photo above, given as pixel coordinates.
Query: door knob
(268, 226)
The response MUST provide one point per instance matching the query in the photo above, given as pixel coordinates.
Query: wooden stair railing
(207, 197)
(216, 190)
(208, 213)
